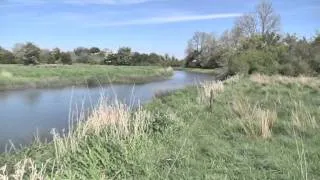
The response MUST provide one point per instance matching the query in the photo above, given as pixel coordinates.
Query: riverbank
(217, 71)
(256, 127)
(46, 76)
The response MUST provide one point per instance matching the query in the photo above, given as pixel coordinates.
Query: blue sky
(161, 26)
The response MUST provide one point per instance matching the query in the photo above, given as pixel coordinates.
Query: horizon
(159, 26)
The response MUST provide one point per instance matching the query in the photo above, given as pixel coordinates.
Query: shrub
(66, 58)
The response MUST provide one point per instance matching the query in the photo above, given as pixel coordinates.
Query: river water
(35, 112)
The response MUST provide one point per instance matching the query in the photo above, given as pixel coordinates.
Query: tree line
(254, 44)
(29, 53)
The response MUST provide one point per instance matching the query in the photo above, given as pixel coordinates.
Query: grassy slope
(19, 76)
(188, 140)
(216, 71)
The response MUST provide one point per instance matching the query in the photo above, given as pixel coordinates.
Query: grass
(242, 128)
(20, 77)
(217, 71)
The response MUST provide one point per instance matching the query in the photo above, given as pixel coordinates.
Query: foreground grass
(245, 128)
(19, 76)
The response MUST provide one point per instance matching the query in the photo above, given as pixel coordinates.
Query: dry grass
(209, 90)
(233, 79)
(311, 82)
(25, 169)
(254, 120)
(114, 120)
(302, 118)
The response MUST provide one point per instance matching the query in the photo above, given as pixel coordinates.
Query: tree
(199, 48)
(268, 20)
(18, 52)
(81, 50)
(6, 57)
(66, 58)
(94, 50)
(45, 56)
(31, 54)
(82, 54)
(56, 56)
(247, 25)
(124, 56)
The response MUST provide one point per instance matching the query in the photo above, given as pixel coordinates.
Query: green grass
(201, 70)
(186, 139)
(19, 76)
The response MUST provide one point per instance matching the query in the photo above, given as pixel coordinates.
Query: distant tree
(56, 56)
(94, 50)
(66, 58)
(268, 19)
(247, 25)
(81, 50)
(111, 59)
(6, 57)
(18, 52)
(31, 54)
(45, 56)
(124, 56)
(199, 47)
(82, 55)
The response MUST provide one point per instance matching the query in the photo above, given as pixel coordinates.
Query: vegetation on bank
(214, 72)
(255, 44)
(257, 127)
(20, 77)
(29, 53)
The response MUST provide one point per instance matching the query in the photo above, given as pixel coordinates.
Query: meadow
(246, 127)
(46, 76)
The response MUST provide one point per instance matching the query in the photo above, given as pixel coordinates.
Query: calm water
(36, 111)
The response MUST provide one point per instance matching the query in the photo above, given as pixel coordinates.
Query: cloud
(169, 19)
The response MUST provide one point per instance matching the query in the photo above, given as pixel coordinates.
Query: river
(25, 114)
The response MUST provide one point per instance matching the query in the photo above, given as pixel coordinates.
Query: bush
(6, 57)
(66, 58)
(252, 61)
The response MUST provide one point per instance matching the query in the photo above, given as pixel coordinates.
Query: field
(21, 77)
(257, 127)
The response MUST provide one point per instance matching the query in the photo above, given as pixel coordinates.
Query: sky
(161, 26)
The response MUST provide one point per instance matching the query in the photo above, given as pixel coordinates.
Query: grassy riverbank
(20, 77)
(256, 127)
(199, 70)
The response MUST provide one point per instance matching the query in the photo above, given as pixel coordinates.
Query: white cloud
(169, 19)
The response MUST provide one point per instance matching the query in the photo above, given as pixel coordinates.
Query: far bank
(46, 76)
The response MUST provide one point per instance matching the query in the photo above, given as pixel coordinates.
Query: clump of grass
(24, 169)
(312, 82)
(254, 120)
(302, 118)
(209, 90)
(233, 79)
(113, 120)
(116, 116)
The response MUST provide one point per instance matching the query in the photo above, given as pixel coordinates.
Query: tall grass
(254, 120)
(312, 82)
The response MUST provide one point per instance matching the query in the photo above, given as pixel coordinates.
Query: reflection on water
(36, 111)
